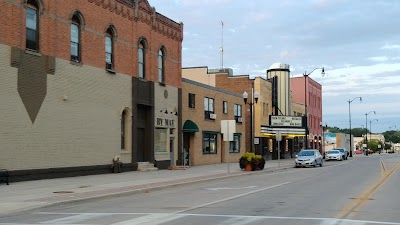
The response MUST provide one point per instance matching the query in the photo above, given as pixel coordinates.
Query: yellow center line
(354, 206)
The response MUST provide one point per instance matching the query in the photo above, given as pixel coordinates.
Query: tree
(358, 132)
(374, 144)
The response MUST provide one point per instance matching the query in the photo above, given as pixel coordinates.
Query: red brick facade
(131, 22)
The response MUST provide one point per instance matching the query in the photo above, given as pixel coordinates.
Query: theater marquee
(285, 121)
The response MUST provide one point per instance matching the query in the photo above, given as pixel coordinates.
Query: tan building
(224, 79)
(297, 109)
(203, 109)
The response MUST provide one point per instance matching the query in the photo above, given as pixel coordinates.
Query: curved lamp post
(305, 100)
(370, 127)
(254, 99)
(351, 146)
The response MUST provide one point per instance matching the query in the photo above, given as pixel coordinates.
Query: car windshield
(306, 153)
(340, 149)
(333, 152)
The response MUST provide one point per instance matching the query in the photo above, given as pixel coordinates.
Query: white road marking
(230, 198)
(322, 220)
(229, 188)
(72, 219)
(153, 219)
(247, 221)
(39, 224)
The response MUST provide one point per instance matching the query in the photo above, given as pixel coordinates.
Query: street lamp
(254, 99)
(305, 101)
(391, 143)
(370, 127)
(366, 126)
(351, 146)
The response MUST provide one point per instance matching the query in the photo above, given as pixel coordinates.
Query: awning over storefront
(190, 127)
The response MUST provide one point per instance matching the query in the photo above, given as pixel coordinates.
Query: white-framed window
(161, 59)
(208, 107)
(225, 107)
(32, 25)
(234, 146)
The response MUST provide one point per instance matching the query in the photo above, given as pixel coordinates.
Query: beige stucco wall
(263, 108)
(82, 130)
(200, 75)
(297, 108)
(166, 98)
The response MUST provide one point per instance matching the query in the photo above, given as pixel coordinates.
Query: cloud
(378, 58)
(387, 46)
(232, 30)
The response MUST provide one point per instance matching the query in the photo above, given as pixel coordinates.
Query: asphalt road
(361, 190)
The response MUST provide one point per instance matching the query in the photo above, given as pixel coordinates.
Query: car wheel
(321, 163)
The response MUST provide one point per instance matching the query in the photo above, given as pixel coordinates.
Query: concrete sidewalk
(21, 196)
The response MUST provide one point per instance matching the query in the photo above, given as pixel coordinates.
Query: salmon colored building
(308, 92)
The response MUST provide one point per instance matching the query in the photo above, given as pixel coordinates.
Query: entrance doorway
(186, 149)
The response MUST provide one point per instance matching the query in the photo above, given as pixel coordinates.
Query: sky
(357, 42)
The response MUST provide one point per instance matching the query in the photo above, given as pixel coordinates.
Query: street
(361, 190)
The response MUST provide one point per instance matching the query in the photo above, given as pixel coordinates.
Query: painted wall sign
(165, 122)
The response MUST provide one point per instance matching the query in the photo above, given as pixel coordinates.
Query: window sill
(125, 152)
(142, 79)
(162, 84)
(32, 52)
(111, 71)
(76, 63)
(204, 153)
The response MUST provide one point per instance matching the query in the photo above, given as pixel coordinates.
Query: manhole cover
(63, 192)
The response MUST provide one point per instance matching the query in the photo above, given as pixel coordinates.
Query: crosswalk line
(72, 219)
(153, 219)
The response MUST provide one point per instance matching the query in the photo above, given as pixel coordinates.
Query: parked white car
(333, 155)
(343, 151)
(308, 157)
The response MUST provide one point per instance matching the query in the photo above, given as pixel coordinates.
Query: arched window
(32, 25)
(142, 58)
(123, 129)
(76, 38)
(161, 58)
(126, 130)
(110, 34)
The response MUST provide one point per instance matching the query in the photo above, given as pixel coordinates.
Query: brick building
(203, 108)
(308, 92)
(239, 84)
(84, 81)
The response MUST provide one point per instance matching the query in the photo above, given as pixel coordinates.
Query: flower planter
(251, 162)
(248, 167)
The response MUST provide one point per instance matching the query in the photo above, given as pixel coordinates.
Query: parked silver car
(308, 157)
(343, 151)
(333, 155)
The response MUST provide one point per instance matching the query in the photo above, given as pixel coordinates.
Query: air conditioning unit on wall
(213, 116)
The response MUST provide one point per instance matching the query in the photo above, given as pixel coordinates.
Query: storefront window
(160, 143)
(209, 143)
(234, 146)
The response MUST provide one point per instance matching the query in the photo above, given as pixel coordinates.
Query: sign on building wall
(285, 121)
